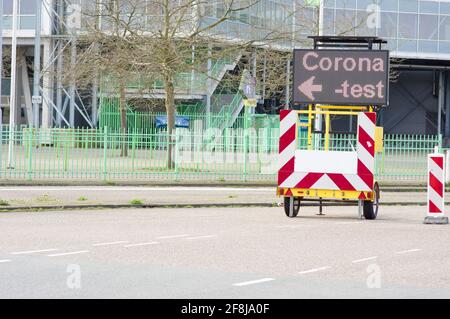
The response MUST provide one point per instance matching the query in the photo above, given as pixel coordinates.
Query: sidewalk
(51, 196)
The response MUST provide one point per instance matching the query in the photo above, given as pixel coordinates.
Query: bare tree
(154, 40)
(157, 40)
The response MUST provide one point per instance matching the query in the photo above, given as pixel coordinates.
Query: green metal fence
(234, 155)
(146, 121)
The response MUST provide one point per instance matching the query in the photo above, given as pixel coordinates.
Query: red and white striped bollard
(436, 190)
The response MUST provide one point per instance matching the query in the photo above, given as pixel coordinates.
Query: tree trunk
(123, 119)
(170, 109)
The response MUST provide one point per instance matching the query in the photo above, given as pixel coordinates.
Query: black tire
(296, 206)
(371, 208)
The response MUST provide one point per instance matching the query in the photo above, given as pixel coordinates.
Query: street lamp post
(12, 99)
(37, 66)
(1, 57)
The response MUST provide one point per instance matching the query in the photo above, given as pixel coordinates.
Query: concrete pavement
(223, 253)
(25, 196)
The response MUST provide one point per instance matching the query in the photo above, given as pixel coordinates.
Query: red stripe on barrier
(367, 141)
(436, 184)
(287, 138)
(286, 171)
(372, 116)
(309, 180)
(433, 208)
(439, 161)
(365, 174)
(284, 113)
(341, 182)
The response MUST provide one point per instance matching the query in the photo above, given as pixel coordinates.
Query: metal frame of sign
(349, 103)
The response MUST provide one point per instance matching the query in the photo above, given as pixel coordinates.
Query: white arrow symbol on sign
(308, 87)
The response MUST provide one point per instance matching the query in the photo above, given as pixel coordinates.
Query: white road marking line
(171, 237)
(141, 244)
(364, 259)
(253, 282)
(5, 261)
(201, 237)
(71, 253)
(313, 270)
(111, 243)
(408, 251)
(33, 251)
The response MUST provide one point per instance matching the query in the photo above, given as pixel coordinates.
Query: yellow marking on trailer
(324, 193)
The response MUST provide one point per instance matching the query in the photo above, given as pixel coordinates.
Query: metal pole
(447, 104)
(440, 101)
(1, 79)
(72, 84)
(37, 65)
(94, 104)
(1, 57)
(13, 91)
(208, 95)
(288, 78)
(59, 65)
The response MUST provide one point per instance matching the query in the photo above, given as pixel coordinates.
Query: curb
(216, 205)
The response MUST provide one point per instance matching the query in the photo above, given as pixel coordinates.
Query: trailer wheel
(287, 202)
(371, 208)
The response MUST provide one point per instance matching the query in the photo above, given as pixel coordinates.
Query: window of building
(388, 25)
(407, 26)
(329, 3)
(7, 6)
(345, 22)
(444, 28)
(363, 4)
(347, 4)
(429, 7)
(388, 5)
(444, 46)
(407, 45)
(428, 26)
(27, 7)
(408, 6)
(445, 8)
(428, 46)
(328, 21)
(362, 28)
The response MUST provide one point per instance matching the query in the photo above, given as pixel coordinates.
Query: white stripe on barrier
(435, 169)
(289, 121)
(436, 199)
(365, 157)
(287, 154)
(325, 182)
(366, 124)
(357, 183)
(293, 180)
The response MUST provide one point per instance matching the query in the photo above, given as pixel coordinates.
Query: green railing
(236, 155)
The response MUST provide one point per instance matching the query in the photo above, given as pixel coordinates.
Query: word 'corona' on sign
(312, 62)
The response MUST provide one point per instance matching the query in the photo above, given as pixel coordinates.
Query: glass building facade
(413, 28)
(26, 16)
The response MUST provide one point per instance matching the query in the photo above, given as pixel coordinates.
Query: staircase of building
(188, 85)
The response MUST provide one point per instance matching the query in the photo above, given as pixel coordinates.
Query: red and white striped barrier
(329, 172)
(436, 190)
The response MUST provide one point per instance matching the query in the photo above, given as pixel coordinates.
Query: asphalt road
(223, 253)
